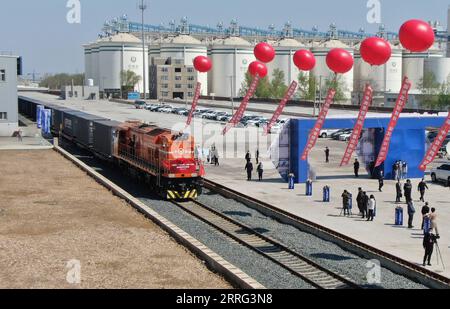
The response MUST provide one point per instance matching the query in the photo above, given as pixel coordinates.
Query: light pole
(143, 7)
(231, 94)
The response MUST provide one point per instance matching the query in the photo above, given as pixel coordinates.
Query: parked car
(140, 104)
(441, 174)
(255, 121)
(327, 133)
(220, 114)
(166, 109)
(345, 137)
(211, 115)
(336, 136)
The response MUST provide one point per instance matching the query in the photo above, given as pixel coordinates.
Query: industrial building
(9, 70)
(231, 51)
(108, 57)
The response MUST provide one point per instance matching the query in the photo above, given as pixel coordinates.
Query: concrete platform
(381, 233)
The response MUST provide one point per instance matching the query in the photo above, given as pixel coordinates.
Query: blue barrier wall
(408, 142)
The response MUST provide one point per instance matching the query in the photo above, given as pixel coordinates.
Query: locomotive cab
(165, 160)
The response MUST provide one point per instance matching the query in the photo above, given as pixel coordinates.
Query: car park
(441, 174)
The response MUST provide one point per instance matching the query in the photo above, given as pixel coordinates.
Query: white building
(321, 71)
(9, 119)
(284, 59)
(108, 57)
(231, 57)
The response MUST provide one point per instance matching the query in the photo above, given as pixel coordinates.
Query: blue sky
(38, 30)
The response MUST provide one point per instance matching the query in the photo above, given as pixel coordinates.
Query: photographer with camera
(429, 240)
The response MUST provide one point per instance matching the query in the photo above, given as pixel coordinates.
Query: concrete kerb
(214, 262)
(387, 262)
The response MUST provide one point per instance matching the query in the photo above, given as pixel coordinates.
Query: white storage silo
(413, 64)
(320, 51)
(87, 61)
(121, 52)
(186, 47)
(382, 78)
(285, 50)
(231, 57)
(440, 67)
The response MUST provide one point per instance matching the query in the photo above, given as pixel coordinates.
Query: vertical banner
(289, 93)
(241, 110)
(314, 135)
(399, 106)
(39, 109)
(437, 144)
(354, 138)
(194, 103)
(46, 121)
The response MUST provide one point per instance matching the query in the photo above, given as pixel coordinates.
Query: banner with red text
(357, 130)
(289, 93)
(243, 107)
(399, 106)
(314, 135)
(437, 144)
(194, 103)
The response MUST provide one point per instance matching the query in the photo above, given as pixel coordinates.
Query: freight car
(163, 160)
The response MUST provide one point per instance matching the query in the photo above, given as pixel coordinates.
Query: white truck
(441, 174)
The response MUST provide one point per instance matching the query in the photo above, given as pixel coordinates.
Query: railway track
(295, 263)
(394, 263)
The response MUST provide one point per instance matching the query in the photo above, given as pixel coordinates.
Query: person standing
(346, 203)
(425, 211)
(359, 200)
(19, 136)
(257, 156)
(365, 205)
(433, 219)
(407, 188)
(381, 181)
(249, 169)
(356, 166)
(429, 240)
(327, 155)
(248, 157)
(398, 188)
(216, 159)
(260, 170)
(421, 188)
(372, 204)
(411, 212)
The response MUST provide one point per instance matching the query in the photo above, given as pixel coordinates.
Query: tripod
(439, 255)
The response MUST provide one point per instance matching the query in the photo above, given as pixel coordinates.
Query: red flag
(437, 144)
(241, 110)
(194, 103)
(354, 139)
(314, 135)
(399, 106)
(289, 93)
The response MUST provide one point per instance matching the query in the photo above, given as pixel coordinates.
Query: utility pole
(143, 7)
(231, 94)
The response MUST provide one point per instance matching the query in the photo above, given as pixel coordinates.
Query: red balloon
(264, 52)
(416, 35)
(202, 64)
(339, 60)
(259, 68)
(304, 60)
(375, 51)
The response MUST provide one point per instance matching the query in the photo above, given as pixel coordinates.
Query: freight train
(158, 157)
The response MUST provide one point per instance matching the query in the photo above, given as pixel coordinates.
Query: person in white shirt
(371, 208)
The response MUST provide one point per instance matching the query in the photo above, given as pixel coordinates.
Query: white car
(345, 137)
(327, 133)
(442, 174)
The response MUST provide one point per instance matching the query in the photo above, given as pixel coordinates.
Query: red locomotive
(165, 160)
